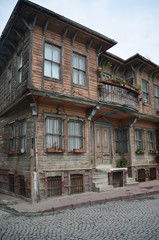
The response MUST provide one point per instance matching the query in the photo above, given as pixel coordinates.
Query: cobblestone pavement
(126, 220)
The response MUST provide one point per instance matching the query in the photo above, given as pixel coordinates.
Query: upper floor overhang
(27, 14)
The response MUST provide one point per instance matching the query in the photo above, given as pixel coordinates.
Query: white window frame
(52, 62)
(78, 70)
(59, 135)
(72, 148)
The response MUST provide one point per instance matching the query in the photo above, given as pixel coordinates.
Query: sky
(132, 23)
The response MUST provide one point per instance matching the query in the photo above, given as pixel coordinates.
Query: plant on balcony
(122, 163)
(139, 151)
(119, 151)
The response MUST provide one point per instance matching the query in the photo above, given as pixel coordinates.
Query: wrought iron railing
(118, 95)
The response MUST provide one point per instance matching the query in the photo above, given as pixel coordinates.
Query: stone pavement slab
(78, 200)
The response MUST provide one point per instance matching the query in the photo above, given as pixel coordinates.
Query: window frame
(145, 93)
(74, 68)
(20, 67)
(153, 141)
(82, 137)
(12, 137)
(139, 140)
(53, 45)
(156, 97)
(121, 141)
(22, 136)
(61, 133)
(10, 77)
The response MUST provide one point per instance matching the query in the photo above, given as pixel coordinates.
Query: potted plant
(122, 163)
(139, 151)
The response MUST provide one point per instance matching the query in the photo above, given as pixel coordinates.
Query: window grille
(76, 183)
(54, 186)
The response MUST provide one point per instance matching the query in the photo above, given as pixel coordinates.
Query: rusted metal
(76, 183)
(54, 186)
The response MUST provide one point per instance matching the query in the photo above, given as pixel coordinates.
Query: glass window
(52, 61)
(145, 92)
(121, 140)
(151, 140)
(75, 134)
(12, 137)
(20, 65)
(23, 130)
(54, 133)
(79, 69)
(156, 93)
(139, 142)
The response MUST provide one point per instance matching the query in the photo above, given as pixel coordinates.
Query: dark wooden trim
(45, 26)
(64, 33)
(89, 44)
(74, 37)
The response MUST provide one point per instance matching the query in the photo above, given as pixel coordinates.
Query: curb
(77, 205)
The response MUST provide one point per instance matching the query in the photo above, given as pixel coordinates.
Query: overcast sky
(132, 23)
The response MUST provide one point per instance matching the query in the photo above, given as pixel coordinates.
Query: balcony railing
(120, 95)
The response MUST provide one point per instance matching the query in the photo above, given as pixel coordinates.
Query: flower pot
(78, 150)
(99, 70)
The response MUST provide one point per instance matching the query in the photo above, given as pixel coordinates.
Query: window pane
(82, 63)
(47, 68)
(55, 71)
(56, 54)
(48, 51)
(81, 78)
(144, 86)
(75, 60)
(75, 76)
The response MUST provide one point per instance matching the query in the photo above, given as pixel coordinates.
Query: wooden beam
(89, 43)
(101, 60)
(19, 33)
(64, 33)
(34, 21)
(154, 75)
(45, 26)
(142, 69)
(73, 37)
(150, 73)
(13, 44)
(99, 48)
(25, 23)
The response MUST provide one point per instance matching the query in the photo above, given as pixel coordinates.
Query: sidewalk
(84, 199)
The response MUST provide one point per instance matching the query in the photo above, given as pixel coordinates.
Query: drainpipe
(34, 173)
(89, 119)
(130, 126)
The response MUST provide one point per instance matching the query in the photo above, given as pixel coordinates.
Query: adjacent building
(69, 108)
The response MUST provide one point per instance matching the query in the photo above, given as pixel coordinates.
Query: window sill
(79, 150)
(54, 150)
(139, 153)
(14, 152)
(52, 79)
(80, 86)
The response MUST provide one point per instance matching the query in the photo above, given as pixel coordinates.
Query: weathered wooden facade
(62, 117)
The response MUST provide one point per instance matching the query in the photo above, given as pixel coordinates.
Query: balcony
(124, 96)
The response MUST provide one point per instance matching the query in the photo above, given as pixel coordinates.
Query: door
(103, 155)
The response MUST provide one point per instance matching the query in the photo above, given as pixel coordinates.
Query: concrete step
(102, 187)
(131, 182)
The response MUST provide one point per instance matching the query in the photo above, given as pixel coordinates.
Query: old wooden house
(73, 117)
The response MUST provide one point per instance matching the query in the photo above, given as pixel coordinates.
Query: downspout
(89, 119)
(35, 177)
(130, 126)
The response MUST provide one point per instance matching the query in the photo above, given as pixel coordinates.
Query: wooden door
(103, 155)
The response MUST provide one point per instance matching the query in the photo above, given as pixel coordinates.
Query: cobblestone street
(131, 219)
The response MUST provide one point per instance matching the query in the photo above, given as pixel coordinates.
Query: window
(23, 129)
(12, 137)
(139, 142)
(52, 61)
(20, 65)
(151, 140)
(75, 134)
(54, 133)
(145, 93)
(156, 92)
(121, 140)
(79, 66)
(9, 79)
